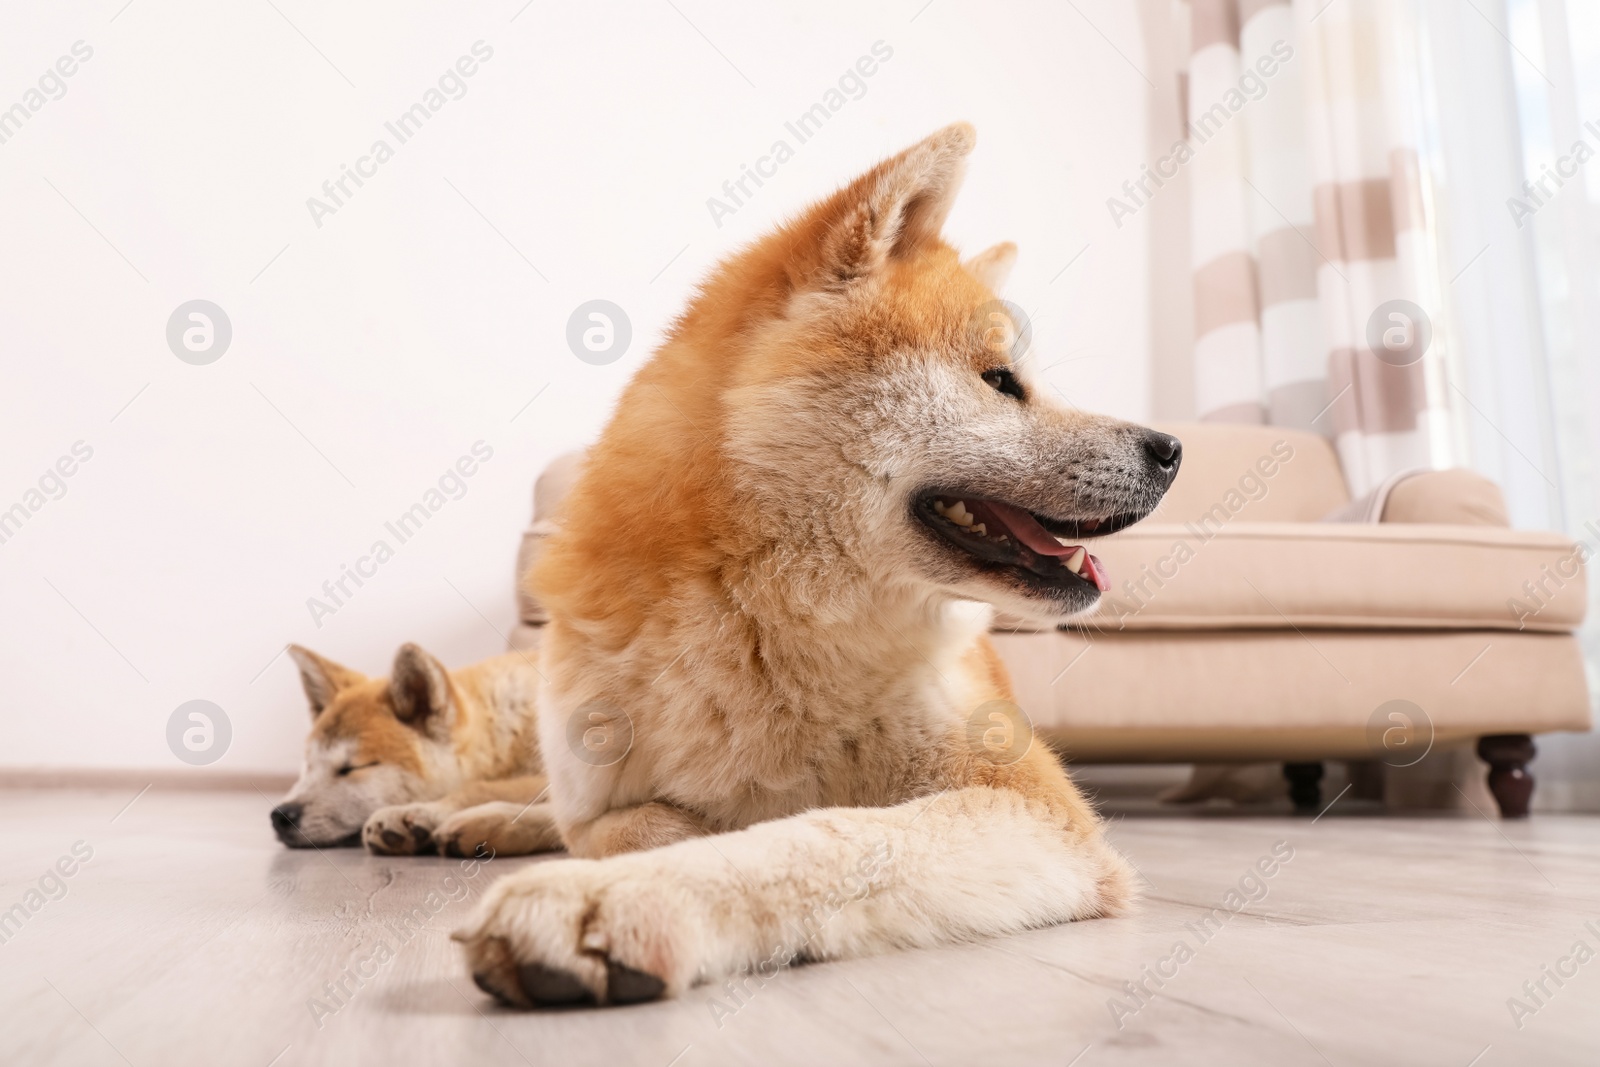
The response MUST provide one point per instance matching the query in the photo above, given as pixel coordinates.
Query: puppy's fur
(752, 581)
(422, 760)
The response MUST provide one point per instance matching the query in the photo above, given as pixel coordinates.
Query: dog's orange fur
(662, 515)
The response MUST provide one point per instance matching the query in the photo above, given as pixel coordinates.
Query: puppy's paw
(485, 830)
(403, 829)
(498, 828)
(581, 932)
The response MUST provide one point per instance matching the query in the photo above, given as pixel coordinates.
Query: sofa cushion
(1253, 474)
(1248, 575)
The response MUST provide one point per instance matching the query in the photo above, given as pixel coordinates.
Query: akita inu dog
(764, 577)
(426, 759)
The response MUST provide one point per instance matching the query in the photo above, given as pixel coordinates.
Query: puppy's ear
(322, 678)
(419, 689)
(993, 266)
(891, 212)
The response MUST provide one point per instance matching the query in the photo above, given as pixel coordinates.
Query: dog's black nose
(1166, 450)
(286, 817)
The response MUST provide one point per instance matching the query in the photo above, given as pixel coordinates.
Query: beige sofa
(1244, 626)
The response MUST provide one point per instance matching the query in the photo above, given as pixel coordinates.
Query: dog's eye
(347, 768)
(1004, 381)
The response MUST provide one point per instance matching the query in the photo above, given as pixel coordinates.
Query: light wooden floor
(191, 937)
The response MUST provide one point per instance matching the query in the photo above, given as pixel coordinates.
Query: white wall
(377, 348)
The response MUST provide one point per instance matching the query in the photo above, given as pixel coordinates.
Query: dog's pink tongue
(1027, 530)
(1094, 570)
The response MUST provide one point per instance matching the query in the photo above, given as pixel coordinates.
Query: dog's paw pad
(372, 837)
(624, 985)
(393, 839)
(421, 839)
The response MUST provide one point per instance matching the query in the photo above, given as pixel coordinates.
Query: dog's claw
(482, 982)
(452, 846)
(549, 986)
(624, 985)
(495, 972)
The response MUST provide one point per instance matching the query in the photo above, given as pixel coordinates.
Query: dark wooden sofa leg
(1508, 756)
(1305, 786)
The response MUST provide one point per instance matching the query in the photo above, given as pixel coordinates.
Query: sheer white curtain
(1511, 152)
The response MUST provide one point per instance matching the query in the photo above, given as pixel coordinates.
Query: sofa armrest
(1456, 497)
(549, 491)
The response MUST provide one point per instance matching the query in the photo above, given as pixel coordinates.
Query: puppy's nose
(286, 817)
(1166, 450)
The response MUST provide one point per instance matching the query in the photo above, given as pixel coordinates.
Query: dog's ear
(993, 266)
(322, 678)
(888, 213)
(419, 689)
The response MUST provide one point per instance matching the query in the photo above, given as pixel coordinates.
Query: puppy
(767, 578)
(426, 759)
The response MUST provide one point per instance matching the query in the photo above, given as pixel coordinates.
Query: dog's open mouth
(1008, 537)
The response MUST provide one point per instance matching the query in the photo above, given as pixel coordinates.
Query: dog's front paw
(403, 829)
(581, 932)
(486, 830)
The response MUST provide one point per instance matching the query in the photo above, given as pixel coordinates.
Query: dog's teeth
(1075, 561)
(959, 514)
(939, 506)
(980, 528)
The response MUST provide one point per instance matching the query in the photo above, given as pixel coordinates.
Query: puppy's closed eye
(347, 768)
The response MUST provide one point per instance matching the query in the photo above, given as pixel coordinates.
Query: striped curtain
(1308, 225)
